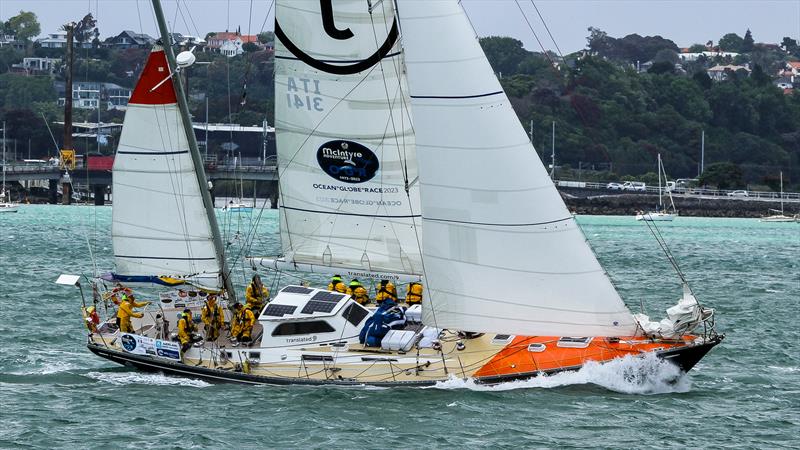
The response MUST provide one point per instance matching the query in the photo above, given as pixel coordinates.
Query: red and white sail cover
(160, 226)
(502, 253)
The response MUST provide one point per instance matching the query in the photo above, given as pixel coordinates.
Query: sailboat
(6, 206)
(779, 215)
(660, 214)
(382, 176)
(237, 204)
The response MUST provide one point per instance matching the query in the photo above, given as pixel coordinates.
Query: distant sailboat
(381, 176)
(779, 215)
(661, 214)
(6, 205)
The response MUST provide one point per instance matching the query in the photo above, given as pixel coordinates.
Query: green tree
(250, 47)
(723, 175)
(504, 54)
(86, 29)
(666, 55)
(266, 37)
(23, 26)
(748, 43)
(731, 42)
(697, 48)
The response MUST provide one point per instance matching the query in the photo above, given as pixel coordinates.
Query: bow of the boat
(687, 357)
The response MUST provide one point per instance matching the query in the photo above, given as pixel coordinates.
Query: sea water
(745, 393)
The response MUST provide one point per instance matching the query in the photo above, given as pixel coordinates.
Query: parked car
(634, 186)
(738, 193)
(615, 186)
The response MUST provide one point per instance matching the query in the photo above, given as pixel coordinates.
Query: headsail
(345, 139)
(160, 227)
(502, 252)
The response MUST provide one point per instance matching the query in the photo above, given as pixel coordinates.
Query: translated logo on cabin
(347, 161)
(332, 30)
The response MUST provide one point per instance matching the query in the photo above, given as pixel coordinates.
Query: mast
(660, 203)
(4, 161)
(193, 150)
(781, 186)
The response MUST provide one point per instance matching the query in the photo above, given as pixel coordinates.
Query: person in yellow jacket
(337, 284)
(257, 295)
(386, 290)
(186, 329)
(358, 292)
(126, 311)
(414, 293)
(243, 322)
(213, 317)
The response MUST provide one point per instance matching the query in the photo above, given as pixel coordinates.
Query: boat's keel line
(684, 357)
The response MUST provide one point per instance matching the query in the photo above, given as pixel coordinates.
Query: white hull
(9, 207)
(656, 217)
(779, 218)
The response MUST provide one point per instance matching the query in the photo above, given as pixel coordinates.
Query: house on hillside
(37, 66)
(129, 39)
(721, 73)
(784, 83)
(792, 68)
(59, 40)
(230, 44)
(91, 94)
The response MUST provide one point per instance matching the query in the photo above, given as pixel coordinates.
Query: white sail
(345, 139)
(502, 253)
(160, 227)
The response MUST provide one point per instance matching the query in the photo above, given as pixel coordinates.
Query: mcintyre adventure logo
(347, 161)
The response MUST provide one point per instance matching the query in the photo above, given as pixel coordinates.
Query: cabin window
(355, 313)
(293, 328)
(574, 342)
(255, 355)
(537, 348)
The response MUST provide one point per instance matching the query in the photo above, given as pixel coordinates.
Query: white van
(634, 186)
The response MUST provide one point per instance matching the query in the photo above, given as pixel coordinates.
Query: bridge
(30, 173)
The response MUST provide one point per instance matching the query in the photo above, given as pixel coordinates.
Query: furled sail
(160, 228)
(349, 196)
(502, 253)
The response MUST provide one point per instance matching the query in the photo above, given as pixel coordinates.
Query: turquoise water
(745, 393)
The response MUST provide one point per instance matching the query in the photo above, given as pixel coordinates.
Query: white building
(688, 57)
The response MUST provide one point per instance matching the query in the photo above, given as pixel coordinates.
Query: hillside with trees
(611, 116)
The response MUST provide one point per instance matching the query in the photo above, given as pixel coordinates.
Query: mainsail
(502, 253)
(349, 196)
(160, 228)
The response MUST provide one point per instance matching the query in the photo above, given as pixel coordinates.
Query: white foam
(123, 378)
(629, 375)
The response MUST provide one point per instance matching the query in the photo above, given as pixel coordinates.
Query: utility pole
(66, 195)
(702, 151)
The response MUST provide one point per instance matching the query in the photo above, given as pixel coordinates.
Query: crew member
(244, 321)
(414, 293)
(92, 318)
(257, 295)
(337, 284)
(125, 312)
(213, 317)
(386, 290)
(358, 292)
(186, 329)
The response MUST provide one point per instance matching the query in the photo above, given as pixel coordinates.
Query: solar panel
(324, 296)
(297, 290)
(279, 310)
(318, 306)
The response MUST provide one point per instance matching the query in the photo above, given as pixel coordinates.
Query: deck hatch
(279, 310)
(574, 342)
(297, 290)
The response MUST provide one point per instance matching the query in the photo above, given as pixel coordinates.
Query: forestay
(345, 139)
(160, 227)
(502, 253)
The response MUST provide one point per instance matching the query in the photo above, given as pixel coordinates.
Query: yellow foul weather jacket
(125, 312)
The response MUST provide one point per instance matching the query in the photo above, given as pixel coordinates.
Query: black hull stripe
(452, 97)
(165, 257)
(497, 224)
(339, 213)
(152, 153)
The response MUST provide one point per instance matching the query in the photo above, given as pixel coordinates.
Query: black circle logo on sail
(347, 161)
(330, 29)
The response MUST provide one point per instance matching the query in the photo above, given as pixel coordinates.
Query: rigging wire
(544, 22)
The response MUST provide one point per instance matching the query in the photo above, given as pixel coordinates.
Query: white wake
(629, 375)
(124, 378)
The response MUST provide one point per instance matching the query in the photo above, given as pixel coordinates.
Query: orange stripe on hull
(516, 358)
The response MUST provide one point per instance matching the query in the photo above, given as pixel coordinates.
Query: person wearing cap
(386, 290)
(358, 292)
(213, 318)
(337, 284)
(126, 311)
(186, 329)
(257, 295)
(92, 319)
(243, 322)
